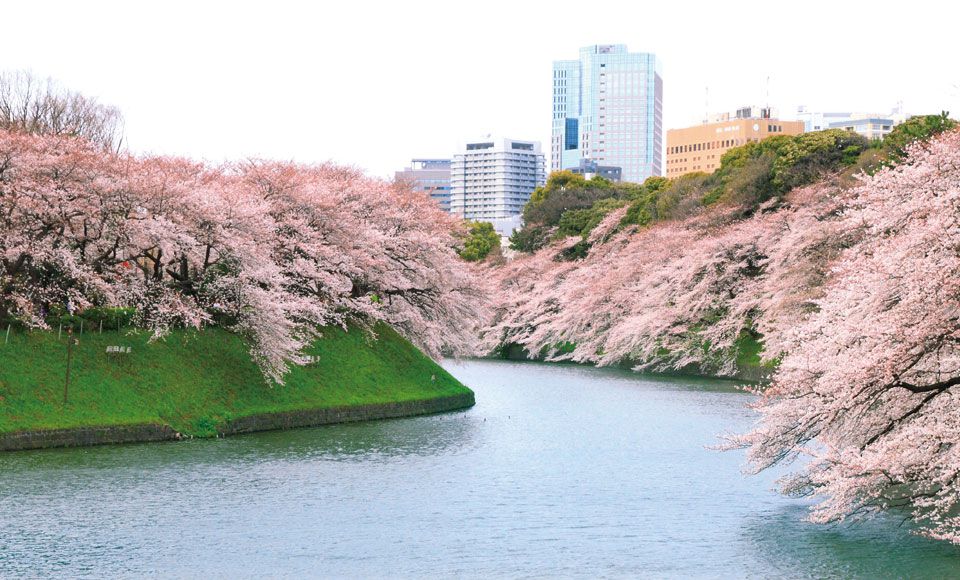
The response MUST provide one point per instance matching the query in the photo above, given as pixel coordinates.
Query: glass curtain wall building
(608, 108)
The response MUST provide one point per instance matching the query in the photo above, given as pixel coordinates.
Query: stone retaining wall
(314, 417)
(83, 436)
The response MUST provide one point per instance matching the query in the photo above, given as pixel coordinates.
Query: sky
(374, 84)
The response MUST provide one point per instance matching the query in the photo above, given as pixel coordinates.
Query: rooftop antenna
(769, 112)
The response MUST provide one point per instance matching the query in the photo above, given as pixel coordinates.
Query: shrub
(480, 241)
(919, 128)
(530, 238)
(112, 318)
(684, 196)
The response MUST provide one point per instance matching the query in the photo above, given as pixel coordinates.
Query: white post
(7, 339)
(81, 326)
(101, 327)
(59, 330)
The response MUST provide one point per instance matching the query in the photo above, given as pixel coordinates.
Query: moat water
(559, 471)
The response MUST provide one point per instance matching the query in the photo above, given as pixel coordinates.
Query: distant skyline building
(589, 169)
(819, 121)
(431, 176)
(492, 179)
(700, 147)
(870, 125)
(608, 108)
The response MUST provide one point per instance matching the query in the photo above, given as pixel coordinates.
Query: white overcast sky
(373, 84)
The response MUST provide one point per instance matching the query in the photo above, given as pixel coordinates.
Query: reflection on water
(367, 441)
(870, 548)
(558, 471)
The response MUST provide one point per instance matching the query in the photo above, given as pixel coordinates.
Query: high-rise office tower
(608, 108)
(492, 179)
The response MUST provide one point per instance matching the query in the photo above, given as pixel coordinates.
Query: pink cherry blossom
(272, 251)
(856, 292)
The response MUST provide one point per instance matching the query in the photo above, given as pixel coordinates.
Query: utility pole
(66, 383)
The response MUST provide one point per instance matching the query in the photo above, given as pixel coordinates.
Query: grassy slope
(194, 381)
(749, 362)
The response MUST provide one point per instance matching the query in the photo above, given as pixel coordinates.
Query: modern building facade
(819, 121)
(871, 128)
(699, 148)
(492, 179)
(590, 169)
(431, 176)
(870, 125)
(608, 108)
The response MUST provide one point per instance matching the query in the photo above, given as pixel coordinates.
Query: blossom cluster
(674, 295)
(273, 251)
(855, 293)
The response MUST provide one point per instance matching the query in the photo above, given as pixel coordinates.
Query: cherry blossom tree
(674, 295)
(855, 291)
(866, 391)
(354, 245)
(271, 251)
(32, 105)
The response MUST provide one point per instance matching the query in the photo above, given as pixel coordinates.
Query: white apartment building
(870, 125)
(492, 178)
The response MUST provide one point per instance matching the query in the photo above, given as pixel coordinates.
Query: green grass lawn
(195, 381)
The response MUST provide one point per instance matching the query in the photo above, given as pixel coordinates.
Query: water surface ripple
(559, 471)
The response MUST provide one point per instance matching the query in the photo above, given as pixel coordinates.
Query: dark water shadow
(874, 548)
(678, 382)
(369, 441)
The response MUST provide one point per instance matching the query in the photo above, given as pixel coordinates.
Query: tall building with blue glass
(608, 109)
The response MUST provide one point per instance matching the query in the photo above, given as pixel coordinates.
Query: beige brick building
(700, 148)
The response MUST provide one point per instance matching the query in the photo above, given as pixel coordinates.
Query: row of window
(474, 199)
(497, 170)
(494, 175)
(490, 201)
(501, 156)
(682, 170)
(512, 190)
(518, 185)
(494, 162)
(724, 144)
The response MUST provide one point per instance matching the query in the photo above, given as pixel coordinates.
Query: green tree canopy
(480, 241)
(919, 128)
(748, 175)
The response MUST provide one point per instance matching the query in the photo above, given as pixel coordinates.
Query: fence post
(101, 326)
(7, 339)
(59, 330)
(81, 326)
